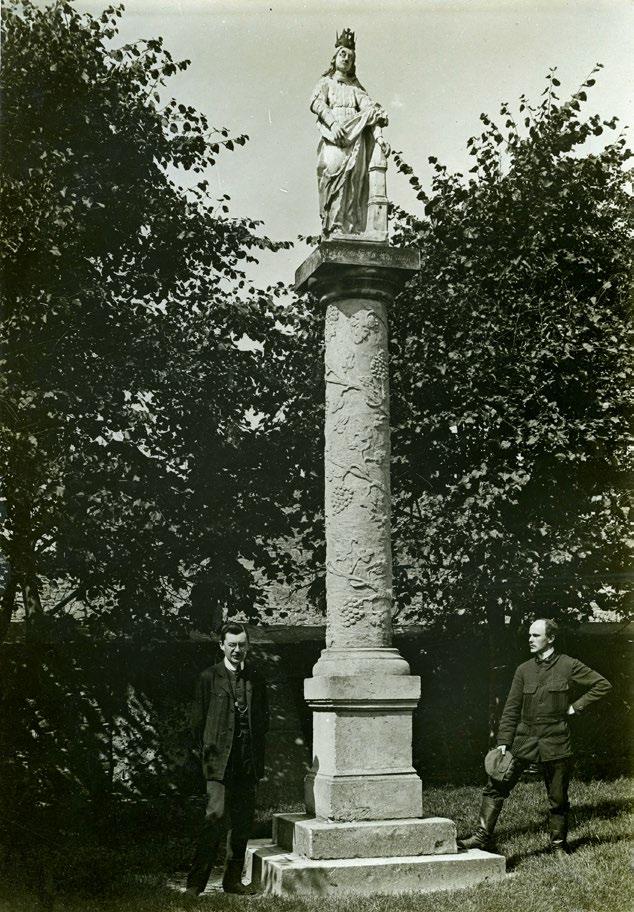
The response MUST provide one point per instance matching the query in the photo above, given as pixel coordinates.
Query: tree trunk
(25, 563)
(7, 604)
(498, 666)
(31, 598)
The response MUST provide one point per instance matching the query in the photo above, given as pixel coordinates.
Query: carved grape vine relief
(358, 577)
(332, 318)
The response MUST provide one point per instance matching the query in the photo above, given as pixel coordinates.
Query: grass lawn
(596, 877)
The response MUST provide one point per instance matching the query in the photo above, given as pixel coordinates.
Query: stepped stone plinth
(290, 874)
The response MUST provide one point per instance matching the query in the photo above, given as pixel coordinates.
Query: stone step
(253, 846)
(287, 874)
(284, 829)
(316, 838)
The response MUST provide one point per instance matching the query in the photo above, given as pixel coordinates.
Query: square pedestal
(362, 747)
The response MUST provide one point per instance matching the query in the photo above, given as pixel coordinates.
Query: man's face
(235, 647)
(538, 642)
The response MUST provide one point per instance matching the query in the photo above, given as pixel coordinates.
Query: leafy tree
(511, 378)
(128, 461)
(125, 439)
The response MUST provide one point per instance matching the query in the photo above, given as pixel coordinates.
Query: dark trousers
(556, 775)
(231, 802)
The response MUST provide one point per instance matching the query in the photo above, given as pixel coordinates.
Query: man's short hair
(551, 627)
(234, 627)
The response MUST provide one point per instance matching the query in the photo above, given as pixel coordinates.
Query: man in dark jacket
(229, 720)
(534, 726)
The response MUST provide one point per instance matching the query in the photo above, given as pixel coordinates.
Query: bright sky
(435, 65)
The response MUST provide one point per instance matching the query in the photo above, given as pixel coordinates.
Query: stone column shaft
(361, 693)
(357, 471)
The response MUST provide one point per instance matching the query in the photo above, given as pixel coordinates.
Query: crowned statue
(352, 153)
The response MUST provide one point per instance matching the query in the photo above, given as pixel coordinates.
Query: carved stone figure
(352, 153)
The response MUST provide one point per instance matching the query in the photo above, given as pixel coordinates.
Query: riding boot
(232, 879)
(482, 837)
(558, 834)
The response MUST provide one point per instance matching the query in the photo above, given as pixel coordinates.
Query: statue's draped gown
(342, 171)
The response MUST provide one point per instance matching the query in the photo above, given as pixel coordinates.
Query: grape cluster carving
(352, 612)
(378, 367)
(340, 498)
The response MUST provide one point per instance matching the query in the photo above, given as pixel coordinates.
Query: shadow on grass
(512, 861)
(579, 813)
(582, 841)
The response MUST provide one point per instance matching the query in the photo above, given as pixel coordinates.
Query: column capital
(345, 268)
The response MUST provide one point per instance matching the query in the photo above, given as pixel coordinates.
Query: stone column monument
(364, 829)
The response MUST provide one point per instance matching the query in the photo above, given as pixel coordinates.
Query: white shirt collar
(547, 654)
(230, 667)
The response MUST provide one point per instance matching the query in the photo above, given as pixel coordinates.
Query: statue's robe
(342, 171)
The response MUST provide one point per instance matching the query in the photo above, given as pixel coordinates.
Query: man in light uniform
(534, 726)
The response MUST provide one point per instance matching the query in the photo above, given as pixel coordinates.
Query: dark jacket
(534, 722)
(213, 718)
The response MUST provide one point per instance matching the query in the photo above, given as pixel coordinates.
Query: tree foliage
(126, 450)
(512, 374)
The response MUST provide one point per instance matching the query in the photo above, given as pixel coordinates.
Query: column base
(352, 662)
(362, 747)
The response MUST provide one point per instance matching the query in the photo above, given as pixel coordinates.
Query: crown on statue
(346, 39)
